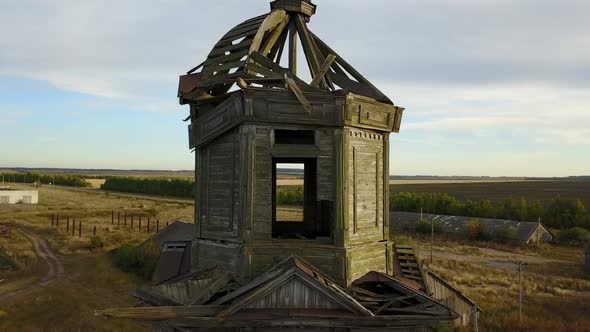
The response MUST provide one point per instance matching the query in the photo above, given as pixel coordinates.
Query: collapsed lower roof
(292, 292)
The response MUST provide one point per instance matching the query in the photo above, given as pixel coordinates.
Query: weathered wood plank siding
(226, 256)
(219, 188)
(369, 257)
(364, 179)
(452, 298)
(295, 294)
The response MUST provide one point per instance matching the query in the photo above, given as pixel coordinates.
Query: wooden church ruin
(335, 267)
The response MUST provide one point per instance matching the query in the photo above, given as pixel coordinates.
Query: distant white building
(10, 196)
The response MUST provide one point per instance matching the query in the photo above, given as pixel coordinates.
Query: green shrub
(425, 227)
(290, 197)
(576, 236)
(7, 262)
(506, 236)
(134, 258)
(478, 231)
(96, 242)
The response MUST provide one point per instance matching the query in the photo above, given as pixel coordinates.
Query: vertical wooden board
(198, 193)
(387, 229)
(220, 193)
(326, 178)
(340, 238)
(263, 184)
(247, 180)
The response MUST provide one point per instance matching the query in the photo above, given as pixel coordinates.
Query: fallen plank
(160, 313)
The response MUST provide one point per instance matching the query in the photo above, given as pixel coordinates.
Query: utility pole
(431, 233)
(520, 291)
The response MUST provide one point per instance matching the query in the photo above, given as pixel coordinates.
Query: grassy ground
(556, 289)
(90, 281)
(545, 191)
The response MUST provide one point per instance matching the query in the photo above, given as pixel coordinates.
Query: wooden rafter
(231, 58)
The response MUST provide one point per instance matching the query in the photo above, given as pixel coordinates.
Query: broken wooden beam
(323, 70)
(161, 313)
(299, 94)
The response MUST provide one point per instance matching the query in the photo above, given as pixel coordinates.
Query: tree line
(559, 213)
(175, 187)
(290, 197)
(56, 179)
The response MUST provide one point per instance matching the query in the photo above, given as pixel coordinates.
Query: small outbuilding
(13, 196)
(178, 231)
(445, 293)
(526, 232)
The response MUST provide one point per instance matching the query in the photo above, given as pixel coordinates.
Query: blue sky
(490, 87)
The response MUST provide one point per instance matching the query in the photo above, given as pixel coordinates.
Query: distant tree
(522, 209)
(560, 214)
(485, 209)
(581, 218)
(536, 211)
(509, 209)
(576, 236)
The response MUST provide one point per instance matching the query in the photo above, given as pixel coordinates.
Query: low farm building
(11, 196)
(526, 232)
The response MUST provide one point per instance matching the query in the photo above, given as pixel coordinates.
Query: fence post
(139, 229)
(79, 228)
(125, 218)
(474, 317)
(148, 229)
(52, 220)
(73, 226)
(57, 221)
(166, 224)
(68, 226)
(118, 217)
(157, 225)
(131, 222)
(112, 217)
(67, 222)
(94, 231)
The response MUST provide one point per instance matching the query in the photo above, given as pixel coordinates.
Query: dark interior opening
(288, 136)
(316, 218)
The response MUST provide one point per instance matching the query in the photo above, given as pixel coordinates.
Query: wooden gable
(292, 284)
(295, 293)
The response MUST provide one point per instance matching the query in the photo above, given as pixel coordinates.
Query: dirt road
(54, 266)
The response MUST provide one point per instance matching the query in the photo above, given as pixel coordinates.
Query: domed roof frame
(249, 55)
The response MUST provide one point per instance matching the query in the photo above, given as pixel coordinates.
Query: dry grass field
(89, 281)
(556, 289)
(96, 183)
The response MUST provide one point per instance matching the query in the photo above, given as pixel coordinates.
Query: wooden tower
(329, 265)
(249, 113)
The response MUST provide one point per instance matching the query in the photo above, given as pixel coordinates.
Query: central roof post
(304, 7)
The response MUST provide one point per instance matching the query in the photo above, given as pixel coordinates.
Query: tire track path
(55, 268)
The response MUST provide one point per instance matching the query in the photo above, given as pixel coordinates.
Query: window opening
(297, 214)
(287, 136)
